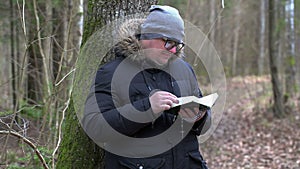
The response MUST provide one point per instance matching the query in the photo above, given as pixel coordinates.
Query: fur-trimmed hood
(128, 44)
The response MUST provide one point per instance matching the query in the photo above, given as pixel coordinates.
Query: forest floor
(249, 136)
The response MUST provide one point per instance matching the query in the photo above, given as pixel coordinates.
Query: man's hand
(191, 114)
(161, 101)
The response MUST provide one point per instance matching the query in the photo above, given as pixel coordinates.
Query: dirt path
(248, 136)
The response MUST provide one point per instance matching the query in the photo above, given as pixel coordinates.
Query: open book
(205, 102)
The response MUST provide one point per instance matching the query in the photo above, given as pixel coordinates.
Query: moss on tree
(77, 149)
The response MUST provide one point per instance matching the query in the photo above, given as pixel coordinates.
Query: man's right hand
(161, 101)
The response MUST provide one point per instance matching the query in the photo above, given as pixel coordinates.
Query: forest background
(257, 41)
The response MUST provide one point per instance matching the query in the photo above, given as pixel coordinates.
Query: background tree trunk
(212, 19)
(34, 69)
(77, 150)
(290, 59)
(261, 58)
(274, 53)
(236, 34)
(13, 57)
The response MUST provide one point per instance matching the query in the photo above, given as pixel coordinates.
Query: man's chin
(158, 65)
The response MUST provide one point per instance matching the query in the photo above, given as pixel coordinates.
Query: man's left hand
(191, 114)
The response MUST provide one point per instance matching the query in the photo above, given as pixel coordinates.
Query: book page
(207, 101)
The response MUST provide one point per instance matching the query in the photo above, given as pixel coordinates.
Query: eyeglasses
(170, 44)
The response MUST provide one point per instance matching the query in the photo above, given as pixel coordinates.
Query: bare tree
(13, 57)
(274, 54)
(212, 18)
(290, 63)
(262, 33)
(236, 34)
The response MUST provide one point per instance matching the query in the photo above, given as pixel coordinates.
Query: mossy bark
(77, 150)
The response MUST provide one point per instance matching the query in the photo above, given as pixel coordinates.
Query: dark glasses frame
(170, 44)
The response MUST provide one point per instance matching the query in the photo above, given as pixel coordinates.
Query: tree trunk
(273, 55)
(212, 19)
(13, 55)
(297, 25)
(77, 150)
(261, 58)
(34, 69)
(290, 60)
(236, 37)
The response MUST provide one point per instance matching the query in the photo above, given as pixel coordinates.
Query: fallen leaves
(252, 138)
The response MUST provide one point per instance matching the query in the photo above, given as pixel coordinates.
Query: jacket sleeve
(202, 126)
(103, 121)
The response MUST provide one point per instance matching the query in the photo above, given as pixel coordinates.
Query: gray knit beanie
(163, 21)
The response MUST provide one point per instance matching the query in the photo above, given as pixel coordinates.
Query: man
(129, 109)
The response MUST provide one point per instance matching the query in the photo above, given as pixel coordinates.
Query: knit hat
(163, 21)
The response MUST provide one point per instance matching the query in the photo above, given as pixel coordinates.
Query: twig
(45, 66)
(22, 17)
(60, 126)
(59, 133)
(46, 99)
(28, 142)
(66, 42)
(223, 6)
(58, 83)
(206, 37)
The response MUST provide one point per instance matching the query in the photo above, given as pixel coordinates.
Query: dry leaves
(250, 137)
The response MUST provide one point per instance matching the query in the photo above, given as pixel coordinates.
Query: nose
(173, 50)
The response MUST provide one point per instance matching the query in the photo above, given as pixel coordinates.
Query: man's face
(155, 50)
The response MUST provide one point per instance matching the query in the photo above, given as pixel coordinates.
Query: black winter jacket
(118, 115)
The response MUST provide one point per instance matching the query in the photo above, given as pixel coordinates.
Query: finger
(203, 113)
(183, 113)
(186, 113)
(190, 112)
(166, 102)
(169, 96)
(165, 107)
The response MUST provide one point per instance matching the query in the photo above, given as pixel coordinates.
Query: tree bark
(290, 60)
(34, 69)
(261, 58)
(278, 106)
(212, 18)
(77, 150)
(13, 55)
(236, 38)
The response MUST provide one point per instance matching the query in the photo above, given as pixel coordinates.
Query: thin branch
(22, 17)
(223, 6)
(58, 83)
(66, 42)
(28, 142)
(206, 37)
(60, 132)
(61, 123)
(41, 48)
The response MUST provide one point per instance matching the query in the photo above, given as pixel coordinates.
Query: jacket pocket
(196, 161)
(155, 163)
